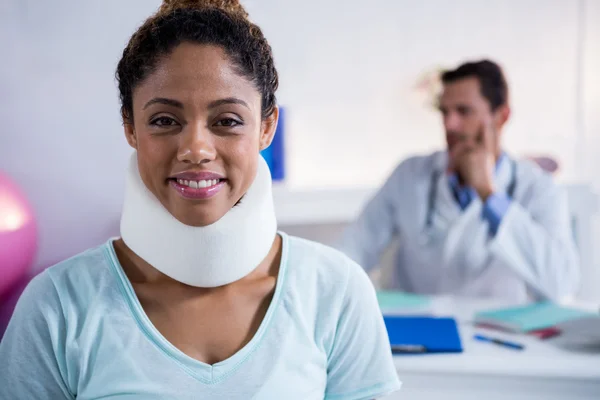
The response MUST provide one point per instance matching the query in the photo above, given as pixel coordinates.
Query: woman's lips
(197, 189)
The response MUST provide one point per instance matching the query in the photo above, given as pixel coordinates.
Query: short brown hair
(491, 80)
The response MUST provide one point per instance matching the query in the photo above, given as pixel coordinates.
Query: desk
(490, 372)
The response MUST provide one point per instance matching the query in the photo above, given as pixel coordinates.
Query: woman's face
(197, 129)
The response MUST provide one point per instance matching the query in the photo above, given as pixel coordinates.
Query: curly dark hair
(491, 80)
(221, 23)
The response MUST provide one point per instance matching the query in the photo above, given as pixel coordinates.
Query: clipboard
(420, 335)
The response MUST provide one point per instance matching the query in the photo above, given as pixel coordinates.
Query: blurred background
(356, 84)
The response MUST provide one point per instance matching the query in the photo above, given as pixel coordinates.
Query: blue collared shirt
(495, 206)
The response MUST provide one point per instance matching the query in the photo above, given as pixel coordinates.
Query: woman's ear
(268, 128)
(130, 135)
(129, 130)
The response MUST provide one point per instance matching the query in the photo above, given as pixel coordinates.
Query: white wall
(590, 126)
(348, 71)
(347, 75)
(61, 136)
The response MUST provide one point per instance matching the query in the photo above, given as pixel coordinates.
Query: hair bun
(232, 7)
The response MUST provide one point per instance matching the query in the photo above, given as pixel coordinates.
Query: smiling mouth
(199, 184)
(201, 189)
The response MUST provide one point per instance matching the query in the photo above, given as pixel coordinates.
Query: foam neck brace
(208, 256)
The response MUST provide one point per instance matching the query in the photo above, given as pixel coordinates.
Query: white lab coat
(532, 255)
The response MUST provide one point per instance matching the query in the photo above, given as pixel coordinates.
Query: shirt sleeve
(494, 209)
(360, 363)
(32, 352)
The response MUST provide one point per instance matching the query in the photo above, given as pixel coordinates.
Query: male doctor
(472, 220)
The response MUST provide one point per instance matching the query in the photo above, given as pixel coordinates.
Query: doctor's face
(465, 111)
(198, 129)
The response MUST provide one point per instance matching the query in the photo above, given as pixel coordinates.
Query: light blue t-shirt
(79, 331)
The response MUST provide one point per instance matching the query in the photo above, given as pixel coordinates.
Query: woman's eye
(228, 122)
(163, 121)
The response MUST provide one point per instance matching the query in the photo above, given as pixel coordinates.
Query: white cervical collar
(207, 256)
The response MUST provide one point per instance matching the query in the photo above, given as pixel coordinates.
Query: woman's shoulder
(64, 291)
(75, 281)
(318, 255)
(89, 264)
(329, 268)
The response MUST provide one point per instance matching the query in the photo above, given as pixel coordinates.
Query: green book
(394, 300)
(530, 317)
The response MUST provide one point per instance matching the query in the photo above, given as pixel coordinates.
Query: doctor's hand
(475, 160)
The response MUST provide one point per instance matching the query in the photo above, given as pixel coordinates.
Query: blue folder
(409, 335)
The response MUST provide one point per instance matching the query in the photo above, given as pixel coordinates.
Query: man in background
(472, 220)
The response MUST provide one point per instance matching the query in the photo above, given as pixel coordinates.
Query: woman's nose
(196, 146)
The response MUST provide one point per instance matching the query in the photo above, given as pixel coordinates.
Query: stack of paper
(530, 317)
(393, 302)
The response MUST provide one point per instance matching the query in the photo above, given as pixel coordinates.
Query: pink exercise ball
(18, 235)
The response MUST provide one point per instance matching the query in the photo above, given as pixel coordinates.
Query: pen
(408, 348)
(500, 342)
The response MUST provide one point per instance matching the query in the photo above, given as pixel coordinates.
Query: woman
(201, 297)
